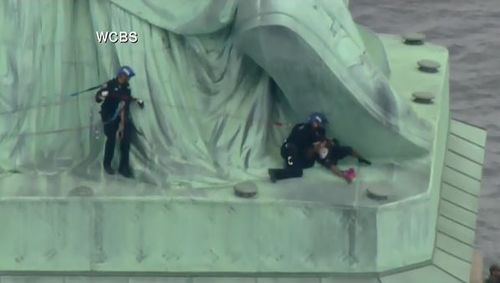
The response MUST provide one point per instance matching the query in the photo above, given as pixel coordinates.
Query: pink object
(350, 174)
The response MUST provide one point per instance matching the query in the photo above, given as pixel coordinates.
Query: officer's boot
(109, 150)
(287, 173)
(126, 172)
(108, 169)
(124, 168)
(272, 175)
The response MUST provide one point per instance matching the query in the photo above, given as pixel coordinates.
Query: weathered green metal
(79, 226)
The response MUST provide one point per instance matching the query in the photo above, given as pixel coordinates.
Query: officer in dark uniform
(116, 97)
(299, 149)
(305, 145)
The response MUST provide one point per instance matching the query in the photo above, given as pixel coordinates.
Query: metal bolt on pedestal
(245, 189)
(379, 194)
(428, 66)
(423, 97)
(414, 38)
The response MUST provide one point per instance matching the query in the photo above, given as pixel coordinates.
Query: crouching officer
(116, 97)
(300, 149)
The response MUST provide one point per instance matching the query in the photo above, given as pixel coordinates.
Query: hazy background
(471, 31)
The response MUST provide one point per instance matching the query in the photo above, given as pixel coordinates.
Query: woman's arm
(335, 170)
(330, 164)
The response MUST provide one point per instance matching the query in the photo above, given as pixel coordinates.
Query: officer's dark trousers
(295, 163)
(110, 130)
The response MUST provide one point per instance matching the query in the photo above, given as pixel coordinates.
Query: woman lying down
(329, 152)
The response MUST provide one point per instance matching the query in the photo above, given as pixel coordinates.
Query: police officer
(306, 144)
(300, 148)
(116, 97)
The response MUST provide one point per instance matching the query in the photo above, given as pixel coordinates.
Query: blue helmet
(317, 117)
(125, 70)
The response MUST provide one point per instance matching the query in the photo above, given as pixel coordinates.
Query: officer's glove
(323, 152)
(102, 95)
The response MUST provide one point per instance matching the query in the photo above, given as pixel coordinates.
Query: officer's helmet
(317, 117)
(125, 70)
